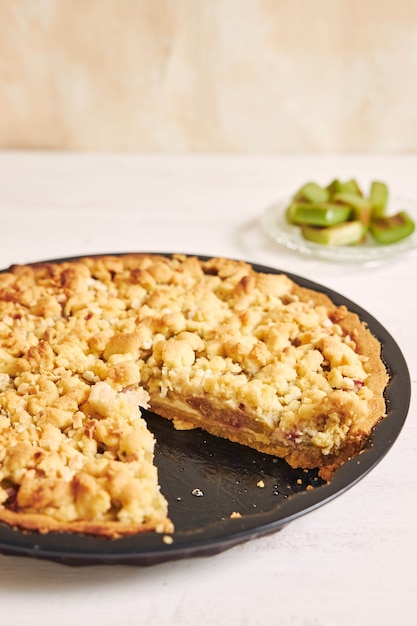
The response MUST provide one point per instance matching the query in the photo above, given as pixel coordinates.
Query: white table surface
(353, 561)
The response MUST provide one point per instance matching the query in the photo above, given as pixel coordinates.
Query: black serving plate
(206, 480)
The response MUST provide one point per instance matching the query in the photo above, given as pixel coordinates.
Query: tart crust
(212, 344)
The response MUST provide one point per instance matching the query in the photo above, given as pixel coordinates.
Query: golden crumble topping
(245, 355)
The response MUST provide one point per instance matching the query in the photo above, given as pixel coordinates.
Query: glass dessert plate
(275, 225)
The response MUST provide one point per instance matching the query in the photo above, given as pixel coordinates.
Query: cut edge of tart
(213, 344)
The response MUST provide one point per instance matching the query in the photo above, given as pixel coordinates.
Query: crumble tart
(248, 356)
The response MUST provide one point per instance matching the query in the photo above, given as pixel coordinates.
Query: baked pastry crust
(248, 356)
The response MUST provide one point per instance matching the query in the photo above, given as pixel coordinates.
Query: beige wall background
(235, 76)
